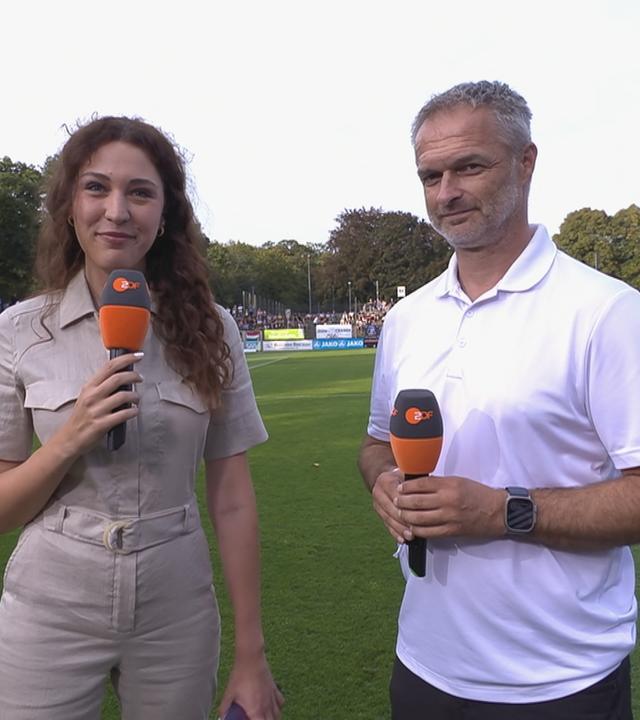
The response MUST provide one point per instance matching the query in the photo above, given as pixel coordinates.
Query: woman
(79, 601)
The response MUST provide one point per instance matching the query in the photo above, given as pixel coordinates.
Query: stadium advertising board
(284, 334)
(281, 345)
(251, 341)
(371, 335)
(338, 344)
(333, 331)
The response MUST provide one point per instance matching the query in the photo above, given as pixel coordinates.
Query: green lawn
(331, 588)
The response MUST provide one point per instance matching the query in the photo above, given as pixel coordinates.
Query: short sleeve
(236, 426)
(613, 379)
(16, 429)
(380, 409)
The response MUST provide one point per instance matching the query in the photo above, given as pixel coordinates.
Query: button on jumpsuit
(114, 576)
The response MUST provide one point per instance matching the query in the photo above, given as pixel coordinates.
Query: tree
(233, 268)
(610, 243)
(392, 248)
(275, 272)
(20, 203)
(283, 273)
(625, 229)
(585, 235)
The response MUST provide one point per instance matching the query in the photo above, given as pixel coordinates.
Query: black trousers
(414, 699)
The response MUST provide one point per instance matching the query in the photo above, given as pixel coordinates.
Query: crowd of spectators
(366, 321)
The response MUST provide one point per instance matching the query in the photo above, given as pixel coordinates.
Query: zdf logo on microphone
(121, 284)
(414, 416)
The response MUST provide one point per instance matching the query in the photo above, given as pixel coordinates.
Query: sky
(289, 112)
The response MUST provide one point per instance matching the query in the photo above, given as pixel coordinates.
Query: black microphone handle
(417, 547)
(116, 436)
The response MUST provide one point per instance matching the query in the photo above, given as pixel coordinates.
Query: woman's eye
(94, 186)
(141, 193)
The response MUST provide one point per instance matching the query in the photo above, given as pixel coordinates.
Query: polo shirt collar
(533, 263)
(528, 269)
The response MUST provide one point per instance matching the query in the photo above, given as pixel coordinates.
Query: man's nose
(117, 208)
(449, 188)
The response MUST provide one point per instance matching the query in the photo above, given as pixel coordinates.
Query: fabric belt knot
(112, 536)
(122, 535)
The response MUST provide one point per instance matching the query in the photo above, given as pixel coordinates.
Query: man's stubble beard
(487, 229)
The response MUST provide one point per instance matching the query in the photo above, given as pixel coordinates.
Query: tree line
(369, 253)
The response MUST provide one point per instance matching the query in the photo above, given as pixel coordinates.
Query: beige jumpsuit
(114, 576)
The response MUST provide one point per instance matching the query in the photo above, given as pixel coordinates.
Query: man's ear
(528, 161)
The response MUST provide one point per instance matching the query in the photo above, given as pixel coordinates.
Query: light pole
(349, 284)
(309, 280)
(377, 294)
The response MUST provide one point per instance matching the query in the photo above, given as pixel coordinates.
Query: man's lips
(456, 213)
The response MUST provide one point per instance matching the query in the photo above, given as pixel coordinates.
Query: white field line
(268, 362)
(286, 396)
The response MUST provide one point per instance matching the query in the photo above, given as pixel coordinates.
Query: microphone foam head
(416, 431)
(125, 310)
(416, 414)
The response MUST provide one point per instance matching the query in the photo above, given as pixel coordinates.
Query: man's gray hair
(510, 109)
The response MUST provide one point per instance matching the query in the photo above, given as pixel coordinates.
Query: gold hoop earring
(70, 221)
(160, 231)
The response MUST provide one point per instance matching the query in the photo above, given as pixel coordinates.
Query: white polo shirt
(538, 381)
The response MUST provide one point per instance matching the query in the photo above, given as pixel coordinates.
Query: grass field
(331, 588)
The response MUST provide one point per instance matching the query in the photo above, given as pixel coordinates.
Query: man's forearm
(597, 516)
(375, 457)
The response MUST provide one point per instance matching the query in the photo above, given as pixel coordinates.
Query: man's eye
(430, 180)
(470, 169)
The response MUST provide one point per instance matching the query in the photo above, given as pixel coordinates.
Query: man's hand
(385, 499)
(434, 507)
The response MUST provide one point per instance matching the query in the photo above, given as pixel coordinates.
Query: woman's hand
(94, 413)
(253, 688)
(26, 487)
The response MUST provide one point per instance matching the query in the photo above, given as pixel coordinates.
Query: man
(533, 358)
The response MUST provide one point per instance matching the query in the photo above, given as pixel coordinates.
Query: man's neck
(479, 269)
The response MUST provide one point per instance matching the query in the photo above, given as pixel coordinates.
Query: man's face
(475, 187)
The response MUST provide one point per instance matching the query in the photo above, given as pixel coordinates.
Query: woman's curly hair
(186, 321)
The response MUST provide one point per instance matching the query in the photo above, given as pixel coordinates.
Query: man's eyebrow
(461, 161)
(424, 171)
(470, 159)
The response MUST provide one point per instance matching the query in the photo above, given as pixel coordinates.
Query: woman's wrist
(249, 648)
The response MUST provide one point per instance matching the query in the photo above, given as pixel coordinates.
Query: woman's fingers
(106, 400)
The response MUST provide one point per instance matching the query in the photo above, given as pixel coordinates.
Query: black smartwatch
(519, 511)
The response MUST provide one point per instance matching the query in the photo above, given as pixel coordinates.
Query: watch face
(520, 514)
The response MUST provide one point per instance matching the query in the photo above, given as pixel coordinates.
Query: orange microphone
(416, 442)
(125, 310)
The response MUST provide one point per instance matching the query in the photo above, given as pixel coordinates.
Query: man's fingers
(423, 501)
(393, 523)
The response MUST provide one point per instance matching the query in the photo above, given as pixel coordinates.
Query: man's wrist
(520, 511)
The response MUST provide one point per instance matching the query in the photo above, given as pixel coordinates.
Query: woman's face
(117, 210)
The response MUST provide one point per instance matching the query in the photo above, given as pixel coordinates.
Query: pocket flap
(50, 394)
(180, 393)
